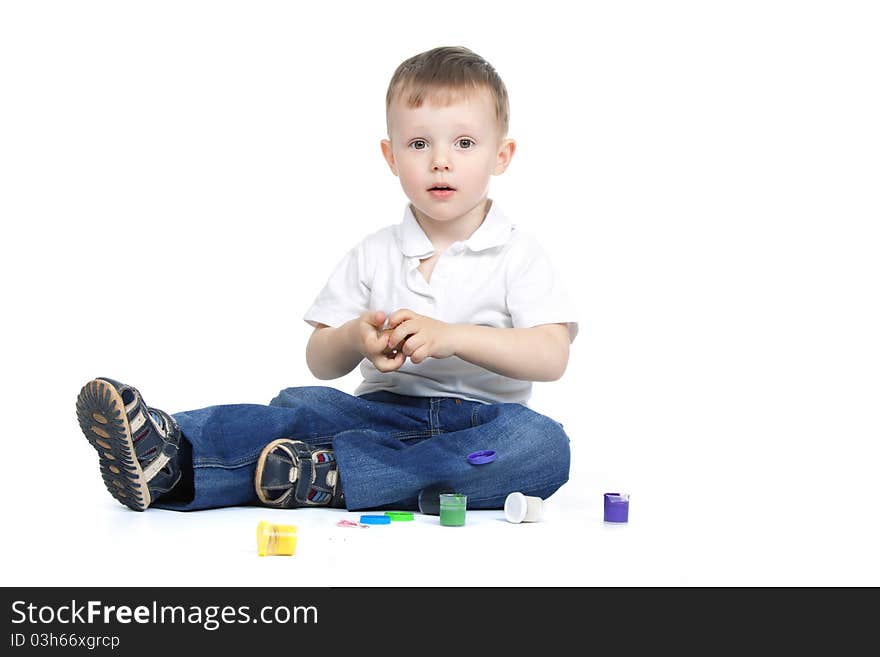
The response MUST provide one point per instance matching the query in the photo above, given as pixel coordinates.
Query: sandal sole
(104, 423)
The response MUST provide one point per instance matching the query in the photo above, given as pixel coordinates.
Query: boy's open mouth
(441, 192)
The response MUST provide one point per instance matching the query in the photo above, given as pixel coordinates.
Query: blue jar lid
(481, 457)
(375, 520)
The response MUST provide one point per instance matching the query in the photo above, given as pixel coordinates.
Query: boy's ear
(388, 154)
(505, 155)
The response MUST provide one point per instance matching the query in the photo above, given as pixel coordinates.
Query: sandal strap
(289, 468)
(291, 474)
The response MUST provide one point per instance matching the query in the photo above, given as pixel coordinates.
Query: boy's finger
(399, 316)
(385, 364)
(376, 341)
(377, 318)
(411, 344)
(419, 355)
(400, 334)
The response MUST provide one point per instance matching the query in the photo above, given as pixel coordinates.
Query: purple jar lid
(616, 507)
(481, 457)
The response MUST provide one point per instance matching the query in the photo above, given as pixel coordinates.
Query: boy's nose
(440, 162)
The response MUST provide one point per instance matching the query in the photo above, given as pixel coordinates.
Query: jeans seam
(400, 435)
(413, 434)
(217, 463)
(328, 440)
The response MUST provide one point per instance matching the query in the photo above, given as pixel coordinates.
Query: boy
(451, 315)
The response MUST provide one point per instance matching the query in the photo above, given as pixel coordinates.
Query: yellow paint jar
(275, 539)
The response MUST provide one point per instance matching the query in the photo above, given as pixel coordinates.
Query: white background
(177, 180)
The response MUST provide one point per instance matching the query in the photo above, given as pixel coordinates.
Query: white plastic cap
(515, 507)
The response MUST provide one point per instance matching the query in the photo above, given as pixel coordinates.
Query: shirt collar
(494, 231)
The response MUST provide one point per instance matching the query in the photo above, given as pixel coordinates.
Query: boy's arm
(331, 352)
(539, 353)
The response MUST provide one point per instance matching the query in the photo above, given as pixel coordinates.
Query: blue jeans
(388, 447)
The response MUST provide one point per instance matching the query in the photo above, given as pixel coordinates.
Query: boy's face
(458, 145)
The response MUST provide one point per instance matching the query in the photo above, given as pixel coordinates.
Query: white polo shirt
(499, 277)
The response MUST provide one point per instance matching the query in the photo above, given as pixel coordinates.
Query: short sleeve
(535, 292)
(346, 294)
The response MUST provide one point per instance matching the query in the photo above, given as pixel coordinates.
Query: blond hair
(444, 75)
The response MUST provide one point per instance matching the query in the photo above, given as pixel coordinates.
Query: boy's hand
(421, 337)
(373, 344)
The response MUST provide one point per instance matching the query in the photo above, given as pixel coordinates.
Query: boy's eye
(466, 143)
(418, 144)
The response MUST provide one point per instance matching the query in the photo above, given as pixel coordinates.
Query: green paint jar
(452, 509)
